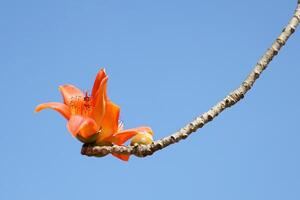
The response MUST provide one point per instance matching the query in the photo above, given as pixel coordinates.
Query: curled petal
(110, 122)
(99, 103)
(59, 107)
(121, 137)
(123, 157)
(83, 126)
(69, 92)
(99, 78)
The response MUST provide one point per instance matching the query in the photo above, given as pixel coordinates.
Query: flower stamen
(81, 105)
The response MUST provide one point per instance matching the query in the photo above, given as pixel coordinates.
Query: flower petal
(84, 126)
(123, 157)
(70, 91)
(100, 76)
(99, 103)
(59, 107)
(110, 122)
(121, 137)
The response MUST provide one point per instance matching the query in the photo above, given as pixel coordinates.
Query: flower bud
(143, 138)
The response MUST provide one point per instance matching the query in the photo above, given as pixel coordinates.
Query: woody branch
(200, 121)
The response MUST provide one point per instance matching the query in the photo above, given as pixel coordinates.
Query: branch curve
(200, 121)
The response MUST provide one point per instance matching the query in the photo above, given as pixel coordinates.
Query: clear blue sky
(168, 62)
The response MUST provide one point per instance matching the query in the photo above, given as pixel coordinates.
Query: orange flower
(93, 119)
(84, 113)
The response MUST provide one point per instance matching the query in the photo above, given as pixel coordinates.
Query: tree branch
(199, 122)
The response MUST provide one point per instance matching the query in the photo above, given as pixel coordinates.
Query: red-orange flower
(84, 113)
(93, 119)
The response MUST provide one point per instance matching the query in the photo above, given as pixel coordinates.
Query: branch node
(280, 41)
(159, 145)
(184, 135)
(209, 117)
(293, 29)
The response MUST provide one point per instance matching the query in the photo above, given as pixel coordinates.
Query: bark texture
(199, 122)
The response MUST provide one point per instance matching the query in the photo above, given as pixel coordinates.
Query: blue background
(168, 62)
